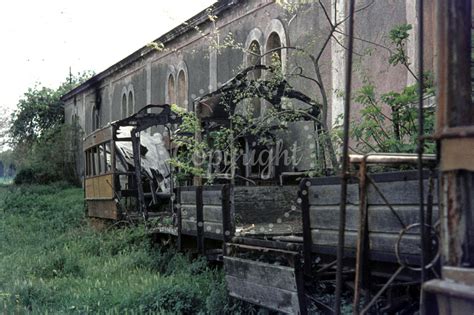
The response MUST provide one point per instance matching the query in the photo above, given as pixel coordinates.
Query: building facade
(203, 53)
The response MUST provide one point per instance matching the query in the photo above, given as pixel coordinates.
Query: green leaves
(389, 123)
(41, 109)
(399, 37)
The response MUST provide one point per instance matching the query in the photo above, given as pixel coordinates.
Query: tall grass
(52, 262)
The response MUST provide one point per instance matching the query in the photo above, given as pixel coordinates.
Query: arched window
(131, 104)
(124, 105)
(273, 43)
(253, 58)
(182, 90)
(171, 97)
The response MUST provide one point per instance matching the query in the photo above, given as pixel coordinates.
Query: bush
(50, 158)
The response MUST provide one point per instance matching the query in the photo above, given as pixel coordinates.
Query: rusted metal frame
(138, 173)
(322, 307)
(455, 111)
(453, 133)
(307, 238)
(345, 158)
(387, 203)
(420, 149)
(327, 266)
(382, 290)
(392, 158)
(200, 220)
(363, 251)
(429, 211)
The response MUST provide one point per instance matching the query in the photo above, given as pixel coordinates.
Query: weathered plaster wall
(207, 68)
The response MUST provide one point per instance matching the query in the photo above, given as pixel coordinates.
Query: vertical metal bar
(199, 220)
(307, 240)
(420, 148)
(382, 290)
(138, 174)
(362, 237)
(345, 158)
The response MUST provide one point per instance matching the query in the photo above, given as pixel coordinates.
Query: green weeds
(52, 262)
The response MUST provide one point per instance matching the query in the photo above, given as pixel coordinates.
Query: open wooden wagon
(277, 241)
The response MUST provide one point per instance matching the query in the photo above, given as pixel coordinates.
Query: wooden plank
(327, 217)
(228, 213)
(383, 242)
(106, 209)
(331, 195)
(211, 213)
(261, 273)
(265, 204)
(89, 188)
(97, 137)
(209, 227)
(398, 193)
(105, 183)
(209, 197)
(381, 219)
(270, 193)
(266, 296)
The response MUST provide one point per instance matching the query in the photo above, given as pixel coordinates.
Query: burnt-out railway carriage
(127, 169)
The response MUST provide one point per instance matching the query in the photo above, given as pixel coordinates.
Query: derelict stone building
(202, 54)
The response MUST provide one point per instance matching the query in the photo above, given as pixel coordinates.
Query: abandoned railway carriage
(274, 229)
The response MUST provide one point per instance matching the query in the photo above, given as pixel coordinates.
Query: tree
(41, 109)
(41, 142)
(388, 123)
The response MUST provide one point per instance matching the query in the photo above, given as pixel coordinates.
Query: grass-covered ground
(52, 262)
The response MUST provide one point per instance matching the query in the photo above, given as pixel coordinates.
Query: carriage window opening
(92, 162)
(87, 163)
(101, 159)
(96, 161)
(108, 160)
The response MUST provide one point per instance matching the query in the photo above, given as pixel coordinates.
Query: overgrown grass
(52, 262)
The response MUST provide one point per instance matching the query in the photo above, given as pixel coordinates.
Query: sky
(40, 40)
